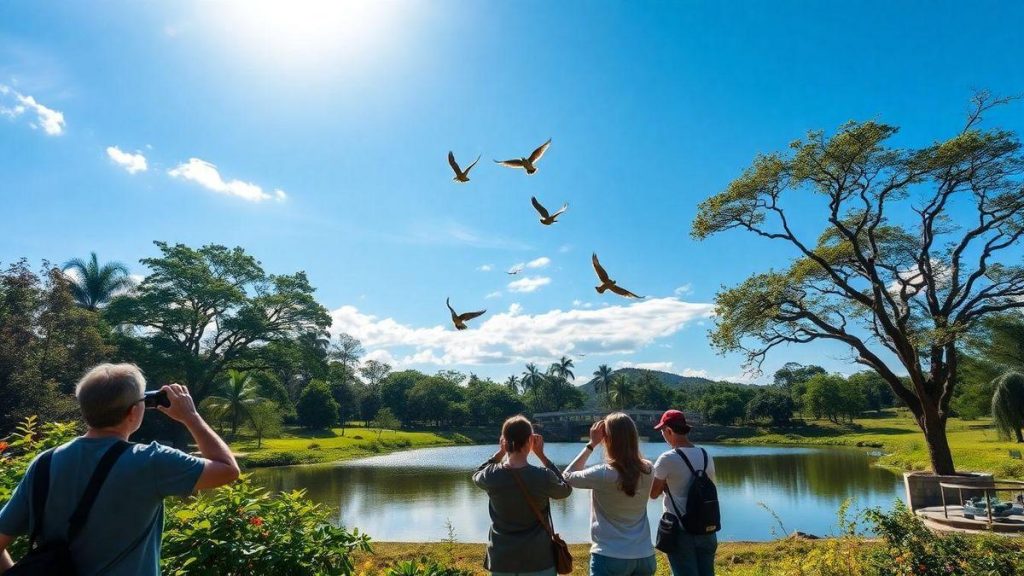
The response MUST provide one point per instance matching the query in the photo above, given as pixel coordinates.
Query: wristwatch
(590, 447)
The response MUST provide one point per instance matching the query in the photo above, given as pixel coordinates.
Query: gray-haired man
(121, 535)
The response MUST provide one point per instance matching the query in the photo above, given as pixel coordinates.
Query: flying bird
(527, 164)
(460, 319)
(546, 219)
(607, 283)
(460, 175)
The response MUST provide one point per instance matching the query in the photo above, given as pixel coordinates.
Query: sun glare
(308, 33)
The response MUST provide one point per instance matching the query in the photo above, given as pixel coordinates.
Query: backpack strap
(687, 461)
(40, 489)
(92, 490)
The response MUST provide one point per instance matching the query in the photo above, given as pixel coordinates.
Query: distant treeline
(254, 350)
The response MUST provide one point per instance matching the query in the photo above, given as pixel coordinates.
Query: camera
(156, 398)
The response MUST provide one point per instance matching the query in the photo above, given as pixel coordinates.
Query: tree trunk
(934, 427)
(1020, 436)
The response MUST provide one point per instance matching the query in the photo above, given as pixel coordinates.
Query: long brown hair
(516, 431)
(622, 451)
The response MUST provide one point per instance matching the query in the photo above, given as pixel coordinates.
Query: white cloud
(528, 284)
(684, 290)
(564, 248)
(695, 373)
(493, 295)
(51, 121)
(132, 163)
(662, 366)
(516, 337)
(539, 262)
(485, 268)
(206, 175)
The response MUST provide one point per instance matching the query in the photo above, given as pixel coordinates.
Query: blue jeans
(694, 555)
(608, 566)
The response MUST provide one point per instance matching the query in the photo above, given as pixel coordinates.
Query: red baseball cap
(674, 417)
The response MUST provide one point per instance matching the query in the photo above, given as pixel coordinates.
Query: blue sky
(349, 109)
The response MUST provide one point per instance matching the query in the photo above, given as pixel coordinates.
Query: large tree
(46, 343)
(910, 253)
(203, 310)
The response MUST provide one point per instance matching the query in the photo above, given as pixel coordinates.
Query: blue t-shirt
(129, 509)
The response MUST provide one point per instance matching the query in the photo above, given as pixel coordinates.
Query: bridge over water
(571, 426)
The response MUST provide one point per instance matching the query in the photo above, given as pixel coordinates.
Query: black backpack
(54, 558)
(702, 513)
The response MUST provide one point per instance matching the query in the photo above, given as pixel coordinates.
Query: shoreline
(895, 435)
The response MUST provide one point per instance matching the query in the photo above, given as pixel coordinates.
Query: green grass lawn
(300, 446)
(733, 558)
(976, 447)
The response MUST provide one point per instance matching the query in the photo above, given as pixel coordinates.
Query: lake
(412, 496)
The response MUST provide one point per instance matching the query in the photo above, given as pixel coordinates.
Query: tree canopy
(898, 271)
(201, 311)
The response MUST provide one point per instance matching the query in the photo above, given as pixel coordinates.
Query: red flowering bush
(242, 529)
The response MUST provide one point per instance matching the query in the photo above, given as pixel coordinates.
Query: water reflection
(409, 496)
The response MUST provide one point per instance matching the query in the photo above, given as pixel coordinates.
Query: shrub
(28, 440)
(425, 567)
(242, 529)
(911, 548)
(17, 452)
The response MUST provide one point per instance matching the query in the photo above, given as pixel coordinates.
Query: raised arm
(220, 467)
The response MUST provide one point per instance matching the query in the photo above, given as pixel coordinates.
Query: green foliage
(876, 391)
(46, 343)
(24, 444)
(773, 405)
(894, 269)
(1008, 405)
(650, 393)
(385, 420)
(603, 376)
(432, 400)
(265, 421)
(722, 406)
(490, 403)
(241, 529)
(19, 449)
(425, 567)
(234, 401)
(834, 397)
(316, 408)
(551, 393)
(202, 311)
(94, 285)
(910, 548)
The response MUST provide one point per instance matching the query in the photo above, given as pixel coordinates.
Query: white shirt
(672, 469)
(618, 523)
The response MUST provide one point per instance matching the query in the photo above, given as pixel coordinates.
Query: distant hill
(674, 381)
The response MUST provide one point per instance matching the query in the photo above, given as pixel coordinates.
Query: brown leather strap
(533, 506)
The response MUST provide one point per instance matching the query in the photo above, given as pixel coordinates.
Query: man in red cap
(694, 554)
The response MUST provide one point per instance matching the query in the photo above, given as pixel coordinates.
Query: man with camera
(102, 509)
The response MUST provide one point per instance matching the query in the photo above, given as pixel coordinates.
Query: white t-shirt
(671, 468)
(618, 523)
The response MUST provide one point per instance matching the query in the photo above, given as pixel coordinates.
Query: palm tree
(622, 392)
(512, 383)
(563, 368)
(1008, 405)
(603, 379)
(237, 395)
(532, 378)
(94, 285)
